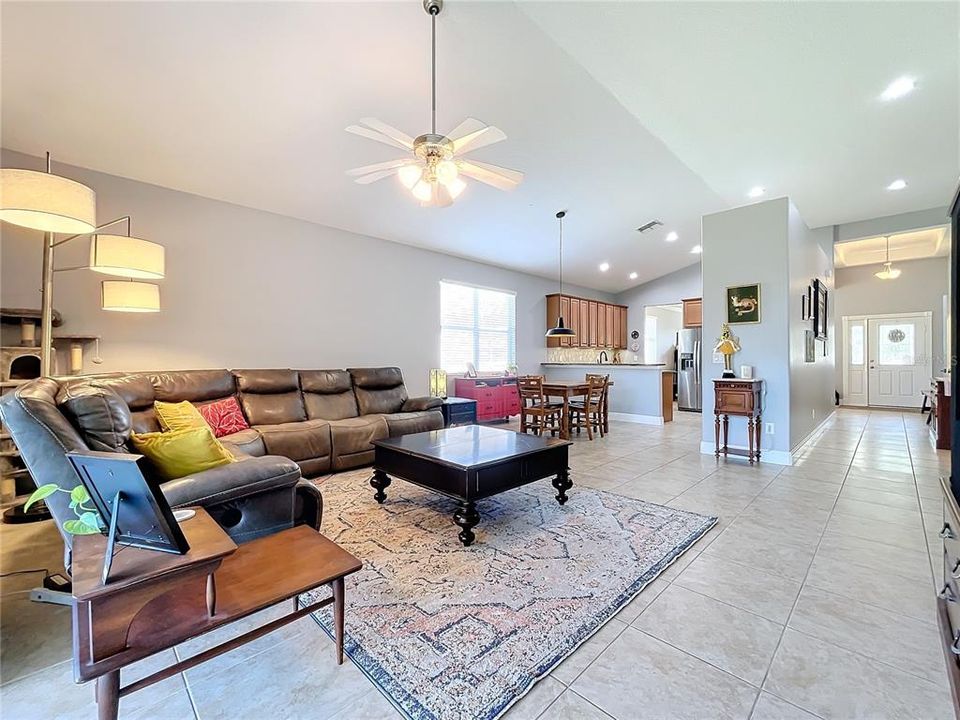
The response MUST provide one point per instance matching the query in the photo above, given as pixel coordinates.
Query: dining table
(566, 389)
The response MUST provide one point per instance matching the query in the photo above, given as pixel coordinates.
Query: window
(856, 343)
(477, 325)
(650, 339)
(895, 343)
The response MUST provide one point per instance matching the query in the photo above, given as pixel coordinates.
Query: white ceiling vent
(649, 226)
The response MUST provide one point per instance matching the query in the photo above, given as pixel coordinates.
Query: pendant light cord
(560, 218)
(433, 69)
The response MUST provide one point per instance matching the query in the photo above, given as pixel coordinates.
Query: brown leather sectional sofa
(324, 420)
(305, 422)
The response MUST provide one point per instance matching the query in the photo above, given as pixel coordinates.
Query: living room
(782, 556)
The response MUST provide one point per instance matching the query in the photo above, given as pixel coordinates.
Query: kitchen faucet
(603, 357)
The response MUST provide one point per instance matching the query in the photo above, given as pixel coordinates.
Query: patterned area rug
(454, 633)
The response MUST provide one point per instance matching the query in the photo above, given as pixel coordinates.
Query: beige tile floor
(813, 597)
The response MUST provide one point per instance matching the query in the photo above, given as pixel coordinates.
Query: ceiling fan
(433, 168)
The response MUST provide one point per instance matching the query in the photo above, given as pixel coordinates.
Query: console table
(497, 397)
(155, 600)
(741, 398)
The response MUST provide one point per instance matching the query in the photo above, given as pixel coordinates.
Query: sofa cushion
(305, 440)
(353, 435)
(245, 442)
(178, 453)
(413, 422)
(98, 413)
(223, 416)
(270, 397)
(266, 381)
(179, 415)
(378, 390)
(328, 394)
(193, 385)
(137, 392)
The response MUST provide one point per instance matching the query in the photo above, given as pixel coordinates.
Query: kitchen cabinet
(596, 324)
(565, 312)
(619, 326)
(574, 321)
(592, 311)
(584, 333)
(692, 312)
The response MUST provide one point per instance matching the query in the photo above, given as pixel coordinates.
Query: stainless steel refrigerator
(689, 376)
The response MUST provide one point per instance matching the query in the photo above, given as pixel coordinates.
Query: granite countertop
(635, 366)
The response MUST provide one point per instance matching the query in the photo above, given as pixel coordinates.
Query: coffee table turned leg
(562, 483)
(379, 482)
(467, 518)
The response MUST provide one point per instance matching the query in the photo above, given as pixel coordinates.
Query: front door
(900, 364)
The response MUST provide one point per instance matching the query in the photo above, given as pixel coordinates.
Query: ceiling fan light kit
(432, 173)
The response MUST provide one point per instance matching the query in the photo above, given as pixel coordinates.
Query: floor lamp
(60, 206)
(57, 205)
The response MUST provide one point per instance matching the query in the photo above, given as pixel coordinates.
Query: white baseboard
(814, 431)
(640, 419)
(774, 457)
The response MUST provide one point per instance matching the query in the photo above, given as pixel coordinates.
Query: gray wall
(890, 224)
(921, 287)
(246, 288)
(810, 255)
(672, 288)
(742, 246)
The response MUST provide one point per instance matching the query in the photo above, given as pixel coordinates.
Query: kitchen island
(643, 393)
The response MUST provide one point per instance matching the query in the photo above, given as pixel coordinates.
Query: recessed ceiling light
(756, 191)
(696, 250)
(898, 184)
(671, 236)
(633, 276)
(898, 88)
(604, 266)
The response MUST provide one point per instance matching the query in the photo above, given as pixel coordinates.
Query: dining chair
(545, 415)
(588, 413)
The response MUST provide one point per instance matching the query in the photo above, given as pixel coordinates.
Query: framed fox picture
(743, 304)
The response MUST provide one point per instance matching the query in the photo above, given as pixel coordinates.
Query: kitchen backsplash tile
(577, 355)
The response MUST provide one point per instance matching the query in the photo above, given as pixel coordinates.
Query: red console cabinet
(497, 397)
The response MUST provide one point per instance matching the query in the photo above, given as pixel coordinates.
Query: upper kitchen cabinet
(692, 312)
(596, 324)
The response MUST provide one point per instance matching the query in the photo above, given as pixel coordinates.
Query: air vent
(649, 226)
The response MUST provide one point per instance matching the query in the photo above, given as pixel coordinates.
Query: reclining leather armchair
(250, 498)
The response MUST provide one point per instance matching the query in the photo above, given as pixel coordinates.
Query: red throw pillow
(224, 416)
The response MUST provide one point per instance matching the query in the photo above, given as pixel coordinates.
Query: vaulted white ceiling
(620, 113)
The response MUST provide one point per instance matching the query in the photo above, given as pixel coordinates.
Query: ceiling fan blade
(388, 165)
(478, 139)
(467, 127)
(499, 177)
(390, 131)
(374, 135)
(374, 176)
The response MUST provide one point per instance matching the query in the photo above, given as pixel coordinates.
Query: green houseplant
(87, 521)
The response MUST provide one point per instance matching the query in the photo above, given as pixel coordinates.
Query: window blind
(477, 325)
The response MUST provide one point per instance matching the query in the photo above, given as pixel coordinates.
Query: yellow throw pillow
(178, 453)
(179, 416)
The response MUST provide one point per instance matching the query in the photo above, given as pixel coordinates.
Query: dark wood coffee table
(470, 463)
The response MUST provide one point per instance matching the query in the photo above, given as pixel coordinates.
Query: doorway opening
(887, 359)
